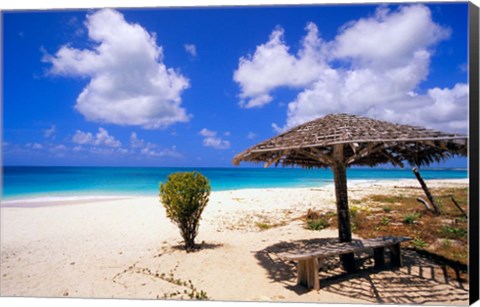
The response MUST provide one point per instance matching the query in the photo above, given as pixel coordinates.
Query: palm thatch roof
(366, 142)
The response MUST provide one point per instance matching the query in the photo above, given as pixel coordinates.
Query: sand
(127, 248)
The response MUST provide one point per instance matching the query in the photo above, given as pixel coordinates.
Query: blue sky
(193, 87)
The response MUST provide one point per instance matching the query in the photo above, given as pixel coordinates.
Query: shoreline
(69, 199)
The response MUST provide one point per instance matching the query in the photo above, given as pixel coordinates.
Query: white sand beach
(127, 248)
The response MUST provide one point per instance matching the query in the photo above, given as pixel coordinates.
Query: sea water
(70, 183)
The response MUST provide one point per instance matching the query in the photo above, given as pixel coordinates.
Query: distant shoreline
(81, 198)
(260, 166)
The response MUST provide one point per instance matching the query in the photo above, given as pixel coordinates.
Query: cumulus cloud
(251, 135)
(210, 139)
(373, 67)
(101, 138)
(58, 150)
(191, 49)
(152, 150)
(272, 66)
(128, 82)
(50, 132)
(34, 145)
(135, 142)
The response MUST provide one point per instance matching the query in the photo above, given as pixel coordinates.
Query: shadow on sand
(198, 247)
(420, 280)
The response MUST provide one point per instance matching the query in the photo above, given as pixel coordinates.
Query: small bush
(354, 210)
(184, 196)
(410, 218)
(387, 209)
(385, 221)
(263, 225)
(353, 227)
(419, 243)
(317, 224)
(312, 214)
(453, 232)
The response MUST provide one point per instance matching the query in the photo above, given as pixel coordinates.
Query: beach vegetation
(317, 220)
(317, 224)
(358, 218)
(445, 235)
(404, 220)
(189, 291)
(389, 199)
(453, 232)
(184, 196)
(385, 221)
(446, 243)
(411, 218)
(354, 211)
(387, 209)
(353, 227)
(263, 225)
(419, 243)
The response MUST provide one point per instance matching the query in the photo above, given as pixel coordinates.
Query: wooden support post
(425, 203)
(307, 273)
(458, 207)
(395, 255)
(427, 191)
(339, 169)
(379, 257)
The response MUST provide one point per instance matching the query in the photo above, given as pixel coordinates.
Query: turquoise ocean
(45, 183)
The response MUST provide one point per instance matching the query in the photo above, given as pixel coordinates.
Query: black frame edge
(473, 152)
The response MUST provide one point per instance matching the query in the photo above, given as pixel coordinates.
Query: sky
(195, 86)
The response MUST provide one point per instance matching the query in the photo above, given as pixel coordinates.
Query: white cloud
(107, 151)
(210, 139)
(152, 151)
(251, 135)
(373, 67)
(58, 150)
(102, 138)
(207, 133)
(191, 49)
(128, 82)
(365, 40)
(34, 145)
(135, 142)
(81, 137)
(272, 66)
(50, 132)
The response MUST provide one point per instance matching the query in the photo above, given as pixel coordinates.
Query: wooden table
(307, 260)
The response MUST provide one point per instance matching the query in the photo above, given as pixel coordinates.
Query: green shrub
(354, 210)
(353, 227)
(184, 196)
(263, 225)
(385, 221)
(453, 232)
(410, 218)
(317, 224)
(419, 243)
(387, 209)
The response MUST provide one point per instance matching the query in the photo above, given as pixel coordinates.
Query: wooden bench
(307, 260)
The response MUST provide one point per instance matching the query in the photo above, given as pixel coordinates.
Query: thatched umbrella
(341, 140)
